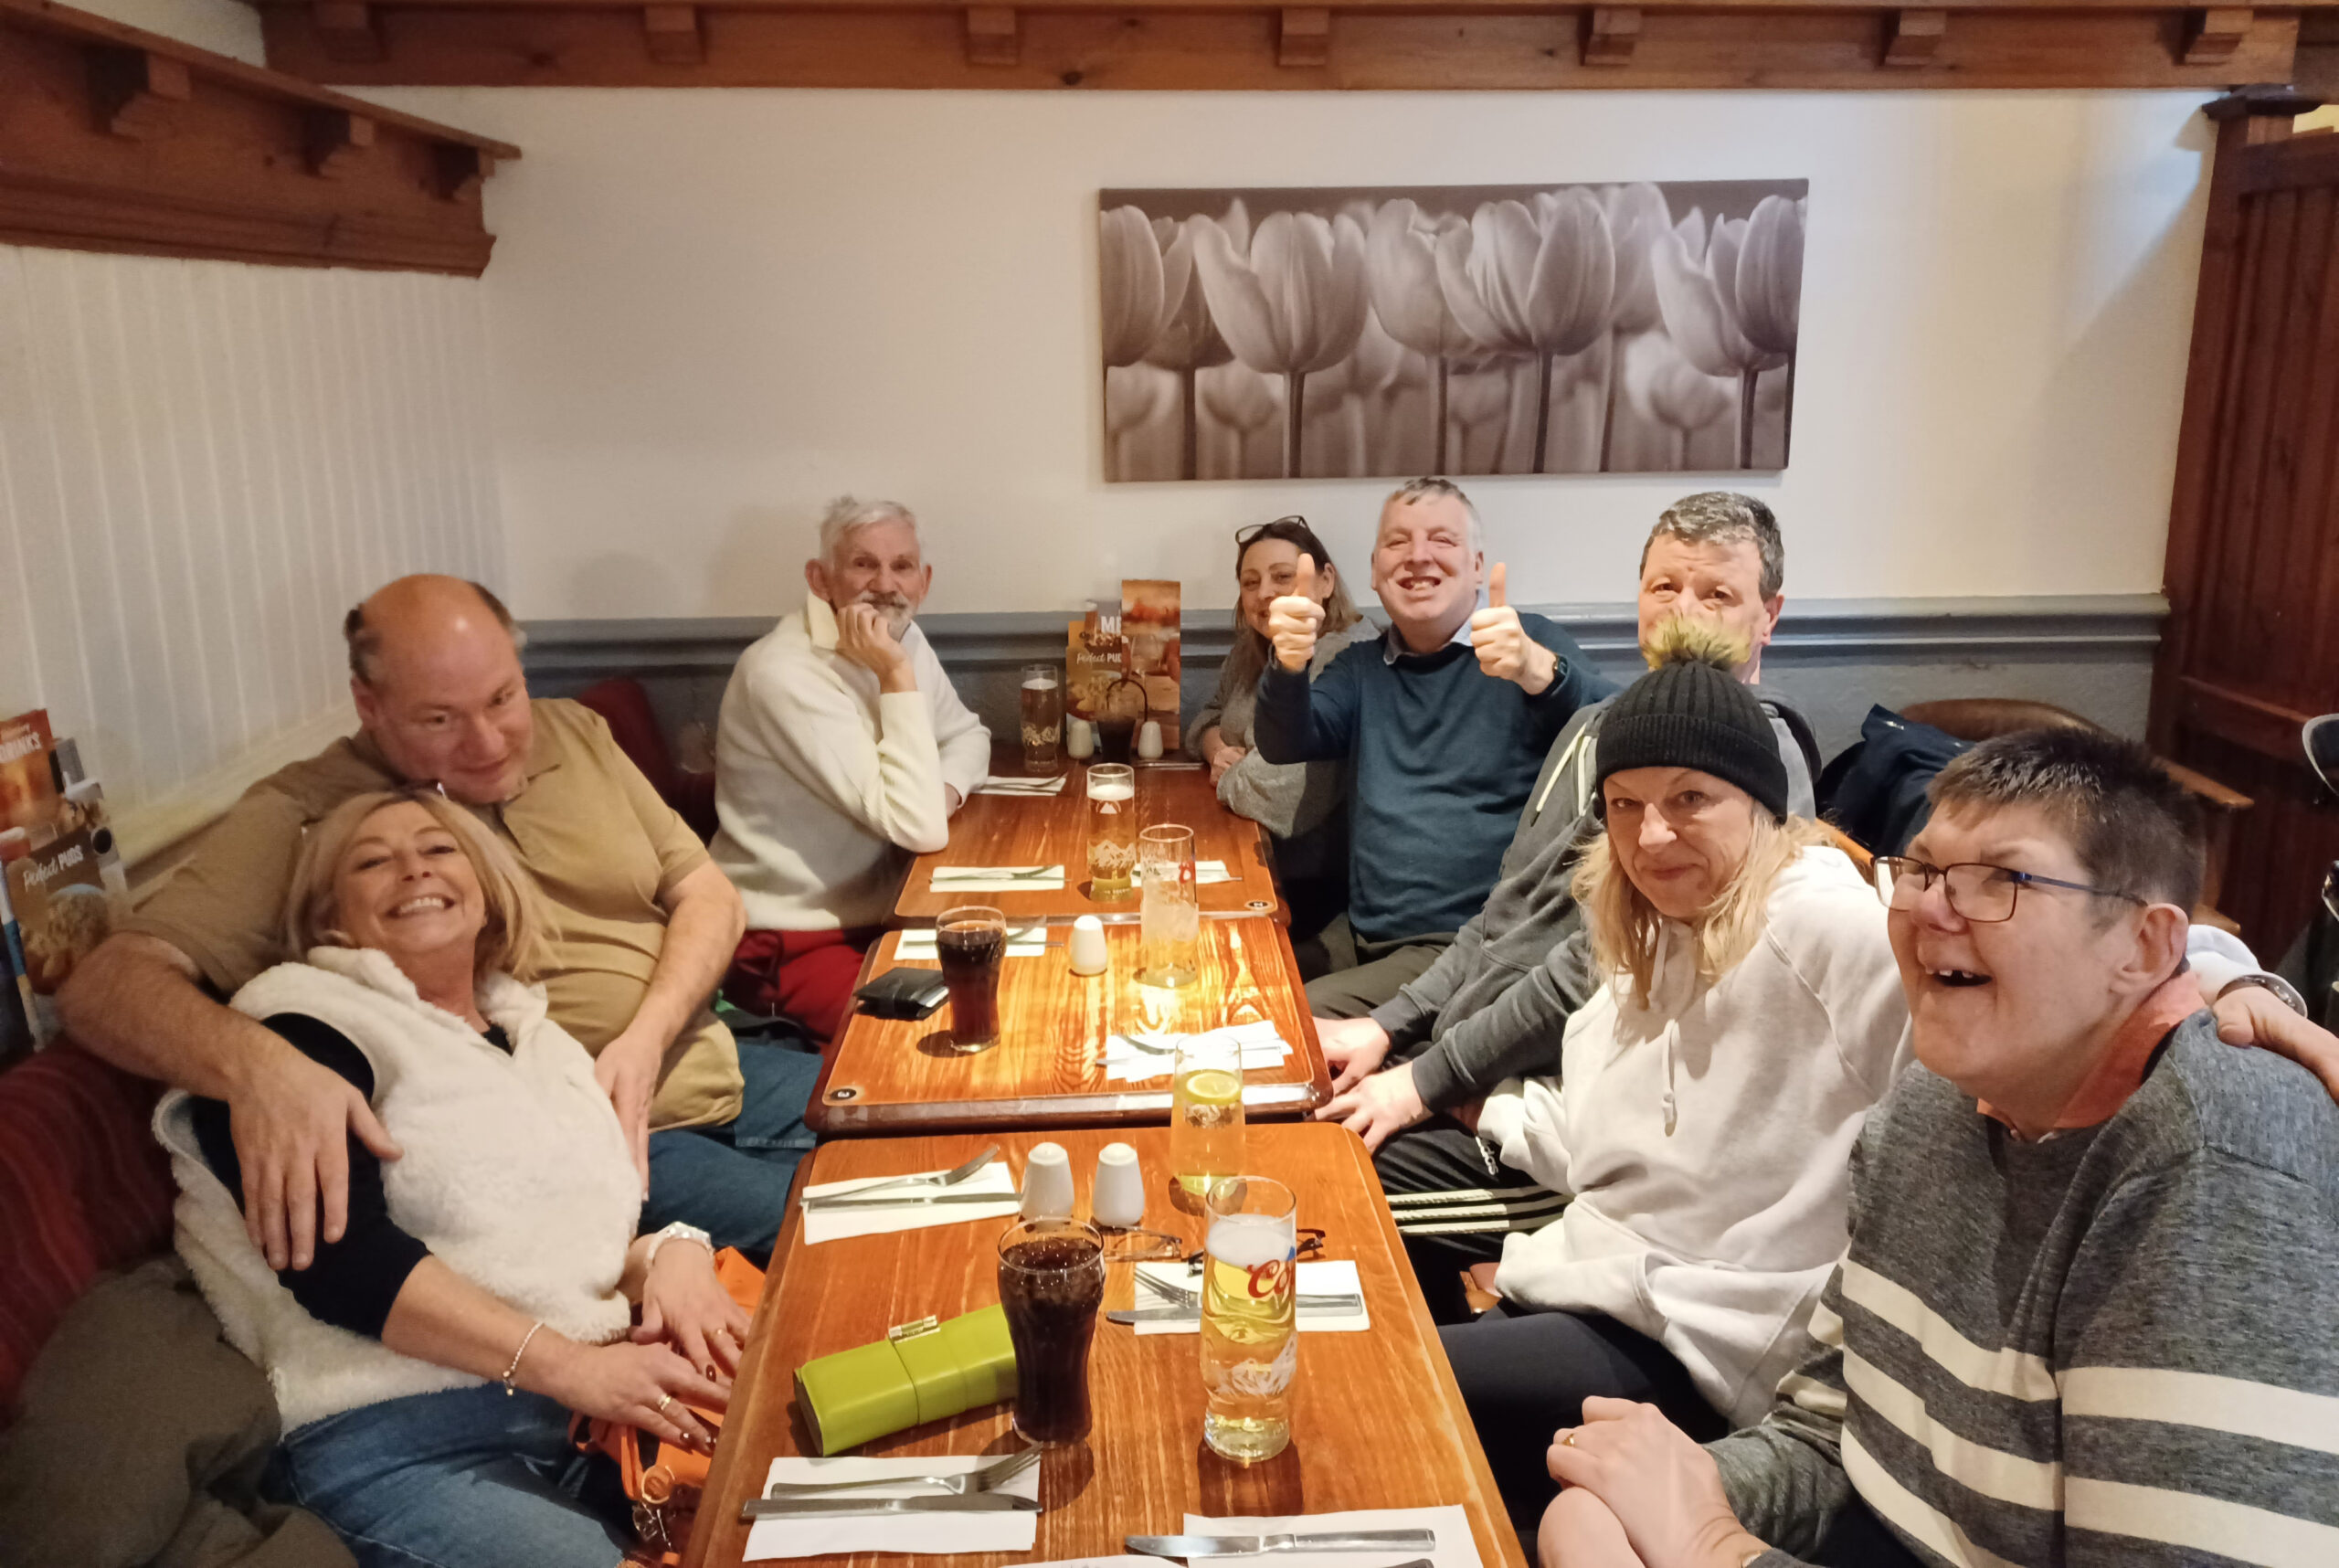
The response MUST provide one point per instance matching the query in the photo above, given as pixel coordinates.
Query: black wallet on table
(906, 993)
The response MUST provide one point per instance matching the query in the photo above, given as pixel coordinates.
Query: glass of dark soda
(1051, 1282)
(972, 943)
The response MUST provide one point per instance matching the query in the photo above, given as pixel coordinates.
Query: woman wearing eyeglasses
(1302, 804)
(1708, 1096)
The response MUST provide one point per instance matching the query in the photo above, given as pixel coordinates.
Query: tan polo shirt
(602, 844)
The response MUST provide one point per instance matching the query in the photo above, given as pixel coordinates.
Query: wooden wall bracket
(1912, 39)
(2212, 37)
(336, 140)
(121, 140)
(671, 35)
(1611, 33)
(345, 30)
(993, 37)
(131, 91)
(1304, 37)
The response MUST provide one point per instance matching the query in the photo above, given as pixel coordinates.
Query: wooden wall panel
(202, 466)
(2253, 570)
(1219, 44)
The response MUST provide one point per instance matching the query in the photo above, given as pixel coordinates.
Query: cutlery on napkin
(867, 1506)
(1251, 1545)
(996, 879)
(1443, 1533)
(1325, 1280)
(989, 1194)
(917, 947)
(1016, 784)
(991, 1525)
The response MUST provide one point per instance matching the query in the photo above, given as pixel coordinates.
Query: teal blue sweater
(1442, 757)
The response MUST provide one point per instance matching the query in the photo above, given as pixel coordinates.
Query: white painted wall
(713, 309)
(227, 27)
(203, 464)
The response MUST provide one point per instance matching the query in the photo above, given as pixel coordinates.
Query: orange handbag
(664, 1482)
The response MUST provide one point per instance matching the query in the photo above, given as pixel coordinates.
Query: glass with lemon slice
(1205, 1112)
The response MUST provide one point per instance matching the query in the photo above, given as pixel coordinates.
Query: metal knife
(1171, 1314)
(847, 1508)
(1244, 1546)
(909, 1199)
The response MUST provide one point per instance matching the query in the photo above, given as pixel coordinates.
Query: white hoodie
(1707, 1139)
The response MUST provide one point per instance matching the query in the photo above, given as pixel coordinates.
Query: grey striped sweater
(2119, 1345)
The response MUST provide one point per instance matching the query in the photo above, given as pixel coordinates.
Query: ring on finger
(1568, 1441)
(663, 1400)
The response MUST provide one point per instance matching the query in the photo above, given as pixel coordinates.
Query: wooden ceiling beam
(1203, 45)
(121, 140)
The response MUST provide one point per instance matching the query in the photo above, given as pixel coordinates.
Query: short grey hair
(1726, 517)
(847, 516)
(1429, 487)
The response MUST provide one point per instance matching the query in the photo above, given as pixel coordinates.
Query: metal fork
(922, 1179)
(989, 1478)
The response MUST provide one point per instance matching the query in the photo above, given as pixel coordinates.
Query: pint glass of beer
(1042, 716)
(971, 941)
(1051, 1282)
(1112, 828)
(1250, 1347)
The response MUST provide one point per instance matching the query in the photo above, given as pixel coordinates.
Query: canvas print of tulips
(1462, 329)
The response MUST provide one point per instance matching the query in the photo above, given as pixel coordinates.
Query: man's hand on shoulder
(627, 1070)
(2252, 1015)
(1503, 649)
(292, 1119)
(863, 637)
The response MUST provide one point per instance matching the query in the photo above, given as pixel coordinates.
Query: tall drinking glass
(971, 941)
(1112, 828)
(1051, 1282)
(1249, 1348)
(1205, 1111)
(1169, 919)
(1042, 716)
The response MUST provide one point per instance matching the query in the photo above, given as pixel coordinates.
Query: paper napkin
(835, 1224)
(1134, 1060)
(909, 1532)
(1314, 1278)
(1455, 1548)
(1209, 870)
(916, 947)
(1016, 784)
(996, 879)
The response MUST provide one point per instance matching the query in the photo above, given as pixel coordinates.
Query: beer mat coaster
(836, 1225)
(1014, 784)
(997, 878)
(917, 947)
(1135, 1059)
(907, 1533)
(1455, 1547)
(1335, 1279)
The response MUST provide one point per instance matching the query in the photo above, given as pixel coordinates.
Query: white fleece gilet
(515, 1174)
(1707, 1138)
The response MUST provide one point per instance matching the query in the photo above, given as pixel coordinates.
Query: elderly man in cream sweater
(842, 751)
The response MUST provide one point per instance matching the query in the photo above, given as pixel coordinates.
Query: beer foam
(1111, 791)
(1038, 683)
(1247, 1240)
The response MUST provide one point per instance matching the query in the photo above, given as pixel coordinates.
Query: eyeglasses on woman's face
(1979, 893)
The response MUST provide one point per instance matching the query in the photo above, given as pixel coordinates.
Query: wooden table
(887, 1076)
(1052, 829)
(1377, 1421)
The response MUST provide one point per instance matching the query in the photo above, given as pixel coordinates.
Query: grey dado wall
(1833, 658)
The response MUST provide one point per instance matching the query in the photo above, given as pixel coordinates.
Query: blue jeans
(467, 1478)
(732, 1180)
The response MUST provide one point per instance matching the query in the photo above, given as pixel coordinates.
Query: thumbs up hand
(1504, 651)
(1294, 618)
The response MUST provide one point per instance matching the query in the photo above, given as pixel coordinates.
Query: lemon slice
(1214, 1087)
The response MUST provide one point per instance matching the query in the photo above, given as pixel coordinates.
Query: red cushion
(83, 1188)
(624, 703)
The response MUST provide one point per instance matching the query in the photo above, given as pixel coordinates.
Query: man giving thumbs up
(1442, 758)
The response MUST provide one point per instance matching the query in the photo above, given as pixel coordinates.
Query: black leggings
(1526, 1374)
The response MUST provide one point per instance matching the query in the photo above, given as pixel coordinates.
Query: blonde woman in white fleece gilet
(1709, 1093)
(426, 1361)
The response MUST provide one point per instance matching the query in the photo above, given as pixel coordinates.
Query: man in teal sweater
(2085, 1316)
(1444, 722)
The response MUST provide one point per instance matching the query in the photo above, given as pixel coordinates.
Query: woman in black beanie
(1709, 1093)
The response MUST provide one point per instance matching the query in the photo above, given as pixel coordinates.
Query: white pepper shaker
(1047, 1183)
(1119, 1192)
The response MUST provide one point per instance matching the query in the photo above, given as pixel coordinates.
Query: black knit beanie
(1691, 712)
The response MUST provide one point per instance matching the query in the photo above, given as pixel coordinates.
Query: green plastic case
(921, 1371)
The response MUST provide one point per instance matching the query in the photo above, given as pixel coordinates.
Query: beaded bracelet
(508, 1389)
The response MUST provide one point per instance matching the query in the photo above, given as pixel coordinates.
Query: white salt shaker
(1087, 946)
(1148, 739)
(1047, 1183)
(1120, 1193)
(1079, 739)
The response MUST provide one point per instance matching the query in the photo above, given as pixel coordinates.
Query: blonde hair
(510, 939)
(1624, 924)
(1683, 639)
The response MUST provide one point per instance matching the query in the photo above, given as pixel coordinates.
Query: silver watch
(2284, 992)
(677, 1231)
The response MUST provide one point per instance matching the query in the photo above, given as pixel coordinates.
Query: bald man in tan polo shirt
(643, 924)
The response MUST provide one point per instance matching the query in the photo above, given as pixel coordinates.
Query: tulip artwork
(1624, 326)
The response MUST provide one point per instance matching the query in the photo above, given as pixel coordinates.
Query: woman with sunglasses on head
(1303, 805)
